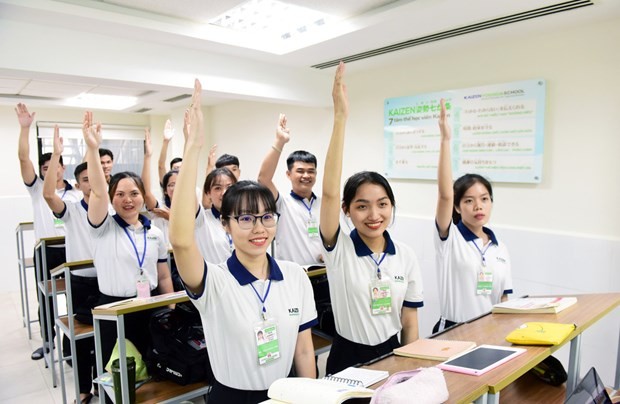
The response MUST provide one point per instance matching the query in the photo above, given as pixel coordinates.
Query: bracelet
(276, 149)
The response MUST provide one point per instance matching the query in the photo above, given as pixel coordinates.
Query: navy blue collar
(216, 213)
(143, 219)
(84, 204)
(244, 277)
(68, 187)
(468, 235)
(362, 250)
(301, 198)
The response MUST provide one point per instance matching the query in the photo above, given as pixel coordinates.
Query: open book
(535, 305)
(434, 349)
(302, 390)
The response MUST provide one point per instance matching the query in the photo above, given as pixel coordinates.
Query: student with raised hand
(367, 324)
(215, 244)
(129, 254)
(298, 231)
(175, 163)
(79, 247)
(473, 267)
(45, 225)
(248, 293)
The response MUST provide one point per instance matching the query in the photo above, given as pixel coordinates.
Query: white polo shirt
(230, 309)
(214, 243)
(161, 223)
(117, 248)
(44, 225)
(79, 241)
(292, 240)
(350, 271)
(459, 262)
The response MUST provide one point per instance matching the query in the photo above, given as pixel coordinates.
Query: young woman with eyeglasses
(248, 295)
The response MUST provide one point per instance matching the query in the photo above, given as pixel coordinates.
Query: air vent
(497, 22)
(28, 97)
(178, 98)
(147, 92)
(142, 110)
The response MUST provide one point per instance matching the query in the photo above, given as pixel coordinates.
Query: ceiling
(152, 49)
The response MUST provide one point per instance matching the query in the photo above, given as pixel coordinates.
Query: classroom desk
(23, 264)
(116, 312)
(492, 329)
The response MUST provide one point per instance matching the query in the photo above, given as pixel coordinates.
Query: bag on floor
(179, 351)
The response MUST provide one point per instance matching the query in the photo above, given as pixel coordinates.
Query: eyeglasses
(247, 222)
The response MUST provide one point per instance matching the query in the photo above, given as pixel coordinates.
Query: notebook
(303, 390)
(434, 349)
(535, 305)
(358, 376)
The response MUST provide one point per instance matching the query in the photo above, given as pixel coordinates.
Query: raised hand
(162, 212)
(282, 132)
(211, 158)
(168, 130)
(23, 116)
(91, 131)
(58, 142)
(148, 148)
(339, 93)
(195, 129)
(186, 125)
(444, 125)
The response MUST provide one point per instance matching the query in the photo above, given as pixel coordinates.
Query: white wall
(563, 234)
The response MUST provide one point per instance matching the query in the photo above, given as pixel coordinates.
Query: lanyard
(262, 299)
(230, 243)
(484, 261)
(378, 263)
(140, 261)
(309, 208)
(63, 194)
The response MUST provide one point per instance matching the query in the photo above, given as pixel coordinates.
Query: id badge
(484, 286)
(143, 286)
(313, 228)
(58, 223)
(380, 297)
(266, 339)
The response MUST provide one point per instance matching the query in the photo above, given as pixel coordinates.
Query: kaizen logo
(399, 278)
(293, 311)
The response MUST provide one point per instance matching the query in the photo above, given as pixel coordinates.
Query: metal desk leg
(617, 383)
(122, 354)
(98, 356)
(482, 399)
(574, 363)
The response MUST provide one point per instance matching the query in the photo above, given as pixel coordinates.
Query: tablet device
(590, 390)
(481, 359)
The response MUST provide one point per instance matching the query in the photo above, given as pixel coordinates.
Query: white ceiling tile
(11, 86)
(55, 88)
(129, 92)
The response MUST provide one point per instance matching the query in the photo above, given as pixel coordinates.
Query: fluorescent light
(100, 101)
(272, 18)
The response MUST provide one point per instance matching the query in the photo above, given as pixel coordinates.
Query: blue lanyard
(230, 243)
(484, 261)
(378, 263)
(140, 261)
(262, 299)
(63, 194)
(309, 208)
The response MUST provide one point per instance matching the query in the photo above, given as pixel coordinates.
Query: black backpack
(179, 351)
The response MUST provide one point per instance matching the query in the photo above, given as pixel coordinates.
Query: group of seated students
(258, 310)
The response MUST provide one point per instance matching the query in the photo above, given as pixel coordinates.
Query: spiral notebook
(358, 376)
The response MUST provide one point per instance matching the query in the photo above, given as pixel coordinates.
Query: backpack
(178, 351)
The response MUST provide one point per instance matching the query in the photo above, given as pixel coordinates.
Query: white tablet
(481, 359)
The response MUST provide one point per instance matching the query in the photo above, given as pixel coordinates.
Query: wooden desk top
(74, 265)
(132, 305)
(50, 241)
(492, 329)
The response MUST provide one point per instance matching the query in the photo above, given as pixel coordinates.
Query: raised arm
(149, 198)
(211, 159)
(445, 199)
(23, 151)
(182, 214)
(99, 200)
(330, 204)
(270, 162)
(161, 163)
(55, 203)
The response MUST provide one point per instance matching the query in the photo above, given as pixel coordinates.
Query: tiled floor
(23, 380)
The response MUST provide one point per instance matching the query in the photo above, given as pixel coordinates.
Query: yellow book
(538, 333)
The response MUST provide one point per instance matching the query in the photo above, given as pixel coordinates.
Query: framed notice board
(497, 131)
